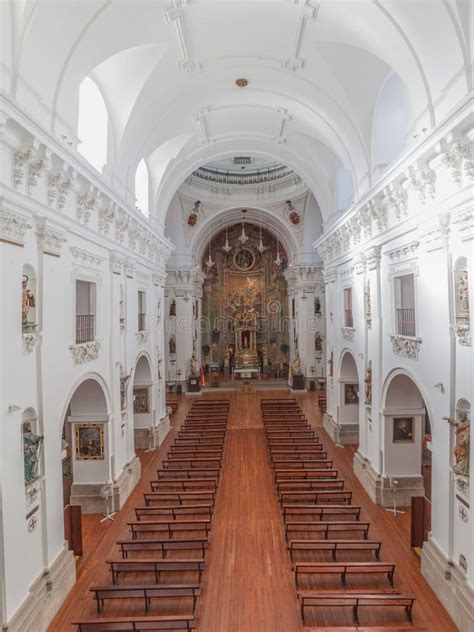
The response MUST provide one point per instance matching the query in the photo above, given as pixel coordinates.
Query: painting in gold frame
(90, 442)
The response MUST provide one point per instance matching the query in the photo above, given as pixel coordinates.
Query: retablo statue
(193, 365)
(296, 366)
(31, 452)
(27, 301)
(463, 443)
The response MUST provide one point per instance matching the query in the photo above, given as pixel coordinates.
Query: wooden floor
(248, 585)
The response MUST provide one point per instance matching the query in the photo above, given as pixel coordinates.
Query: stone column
(184, 287)
(305, 288)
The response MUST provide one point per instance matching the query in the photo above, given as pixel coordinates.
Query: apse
(245, 300)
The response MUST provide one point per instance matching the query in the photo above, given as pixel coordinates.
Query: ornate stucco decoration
(459, 160)
(29, 341)
(348, 333)
(85, 259)
(85, 352)
(20, 161)
(403, 253)
(373, 257)
(142, 336)
(38, 165)
(13, 226)
(121, 221)
(59, 185)
(106, 217)
(423, 184)
(464, 221)
(117, 263)
(406, 346)
(50, 240)
(130, 268)
(463, 334)
(86, 203)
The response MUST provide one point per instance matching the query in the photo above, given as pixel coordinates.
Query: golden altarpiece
(245, 301)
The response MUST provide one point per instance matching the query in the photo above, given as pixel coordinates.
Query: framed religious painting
(403, 430)
(90, 442)
(141, 401)
(351, 393)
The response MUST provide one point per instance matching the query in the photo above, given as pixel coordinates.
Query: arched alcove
(406, 437)
(349, 398)
(142, 401)
(85, 446)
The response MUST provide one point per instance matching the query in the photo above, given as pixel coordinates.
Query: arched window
(389, 123)
(92, 124)
(142, 187)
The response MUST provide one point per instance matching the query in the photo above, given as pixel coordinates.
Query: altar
(245, 374)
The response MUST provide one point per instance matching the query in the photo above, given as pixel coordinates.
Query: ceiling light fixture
(226, 248)
(243, 235)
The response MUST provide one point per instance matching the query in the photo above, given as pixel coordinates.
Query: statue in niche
(31, 452)
(463, 293)
(368, 384)
(331, 364)
(173, 308)
(172, 345)
(317, 305)
(318, 343)
(265, 356)
(227, 357)
(296, 366)
(124, 379)
(27, 302)
(193, 365)
(463, 442)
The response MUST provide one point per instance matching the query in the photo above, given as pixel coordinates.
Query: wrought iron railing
(224, 177)
(406, 321)
(85, 328)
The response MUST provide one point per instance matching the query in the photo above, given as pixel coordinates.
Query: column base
(46, 596)
(378, 487)
(87, 495)
(145, 441)
(449, 584)
(341, 433)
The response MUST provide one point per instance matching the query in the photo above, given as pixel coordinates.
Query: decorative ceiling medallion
(244, 259)
(241, 82)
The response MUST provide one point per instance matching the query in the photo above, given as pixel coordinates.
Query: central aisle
(248, 584)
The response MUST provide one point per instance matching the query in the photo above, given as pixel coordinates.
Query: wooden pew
(178, 474)
(137, 624)
(175, 512)
(333, 546)
(302, 474)
(343, 569)
(321, 511)
(182, 498)
(198, 443)
(326, 527)
(324, 497)
(184, 485)
(163, 545)
(155, 566)
(199, 462)
(186, 452)
(298, 447)
(290, 434)
(201, 434)
(286, 485)
(170, 527)
(146, 592)
(356, 601)
(301, 465)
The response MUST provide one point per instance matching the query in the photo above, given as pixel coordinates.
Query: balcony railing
(141, 322)
(349, 321)
(406, 321)
(85, 328)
